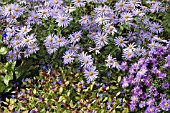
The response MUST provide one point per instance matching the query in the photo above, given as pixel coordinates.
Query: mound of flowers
(85, 56)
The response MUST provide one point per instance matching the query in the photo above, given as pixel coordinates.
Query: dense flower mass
(118, 48)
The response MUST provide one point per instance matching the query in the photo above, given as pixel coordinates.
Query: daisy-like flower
(44, 12)
(101, 39)
(10, 31)
(140, 51)
(63, 19)
(101, 19)
(134, 99)
(156, 28)
(165, 104)
(102, 10)
(33, 48)
(120, 41)
(84, 20)
(155, 7)
(130, 47)
(128, 54)
(79, 3)
(68, 57)
(74, 48)
(28, 40)
(86, 60)
(120, 6)
(110, 29)
(11, 56)
(75, 37)
(33, 18)
(24, 30)
(126, 16)
(109, 61)
(27, 53)
(91, 73)
(96, 49)
(61, 41)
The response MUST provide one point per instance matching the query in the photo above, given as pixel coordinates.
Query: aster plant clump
(101, 54)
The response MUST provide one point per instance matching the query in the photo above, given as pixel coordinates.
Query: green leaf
(113, 87)
(7, 78)
(61, 90)
(119, 79)
(2, 86)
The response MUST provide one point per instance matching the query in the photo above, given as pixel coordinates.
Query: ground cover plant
(87, 56)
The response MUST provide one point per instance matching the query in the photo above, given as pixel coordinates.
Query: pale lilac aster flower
(142, 104)
(33, 48)
(109, 61)
(44, 12)
(28, 40)
(110, 29)
(75, 37)
(126, 16)
(79, 3)
(24, 30)
(11, 56)
(155, 7)
(68, 57)
(86, 60)
(27, 53)
(120, 5)
(84, 19)
(74, 48)
(63, 19)
(101, 39)
(96, 49)
(101, 19)
(102, 10)
(91, 73)
(132, 106)
(120, 41)
(156, 28)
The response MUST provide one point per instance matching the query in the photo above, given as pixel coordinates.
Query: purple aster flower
(150, 101)
(134, 99)
(33, 48)
(142, 104)
(168, 59)
(11, 56)
(165, 85)
(44, 12)
(79, 3)
(120, 6)
(102, 19)
(125, 82)
(152, 109)
(124, 66)
(110, 29)
(126, 17)
(165, 104)
(24, 30)
(75, 37)
(156, 28)
(101, 39)
(91, 73)
(86, 60)
(132, 106)
(84, 20)
(120, 41)
(102, 10)
(63, 19)
(68, 57)
(155, 7)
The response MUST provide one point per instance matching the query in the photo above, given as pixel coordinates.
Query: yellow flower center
(10, 56)
(56, 1)
(35, 16)
(50, 39)
(9, 9)
(52, 47)
(166, 104)
(26, 40)
(78, 1)
(126, 16)
(67, 57)
(90, 73)
(102, 10)
(43, 12)
(16, 9)
(101, 39)
(62, 19)
(121, 4)
(102, 19)
(150, 109)
(116, 63)
(10, 30)
(86, 61)
(25, 30)
(56, 11)
(156, 27)
(155, 7)
(59, 40)
(153, 44)
(13, 17)
(121, 41)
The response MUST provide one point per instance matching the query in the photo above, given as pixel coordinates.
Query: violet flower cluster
(138, 39)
